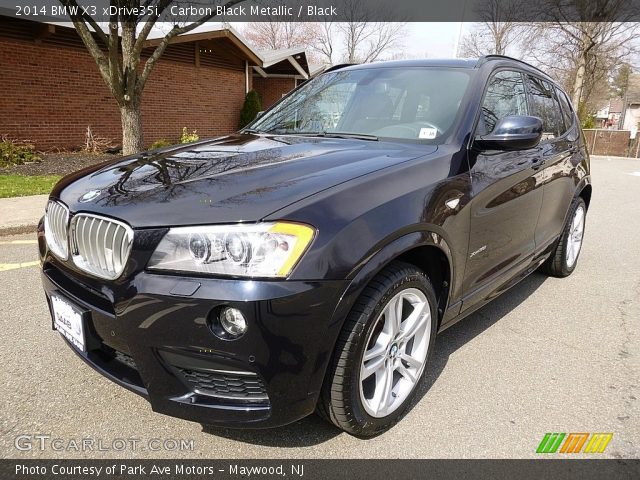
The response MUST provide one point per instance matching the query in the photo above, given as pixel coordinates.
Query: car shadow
(467, 329)
(313, 430)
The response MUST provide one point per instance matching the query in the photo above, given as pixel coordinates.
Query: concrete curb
(21, 214)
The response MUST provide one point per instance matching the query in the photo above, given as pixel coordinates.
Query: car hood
(230, 179)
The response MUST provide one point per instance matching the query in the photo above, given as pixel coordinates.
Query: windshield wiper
(252, 130)
(357, 136)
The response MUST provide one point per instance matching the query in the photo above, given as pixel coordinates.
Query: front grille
(230, 385)
(101, 246)
(56, 219)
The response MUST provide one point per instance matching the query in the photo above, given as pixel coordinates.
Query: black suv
(308, 262)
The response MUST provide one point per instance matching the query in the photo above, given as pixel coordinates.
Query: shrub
(161, 143)
(187, 137)
(94, 144)
(16, 153)
(252, 105)
(589, 122)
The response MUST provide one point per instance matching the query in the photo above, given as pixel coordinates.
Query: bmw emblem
(90, 195)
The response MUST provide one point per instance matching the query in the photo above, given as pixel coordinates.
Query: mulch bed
(58, 163)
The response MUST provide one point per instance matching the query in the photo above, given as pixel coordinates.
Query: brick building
(53, 91)
(276, 77)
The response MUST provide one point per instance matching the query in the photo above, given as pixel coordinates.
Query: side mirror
(514, 132)
(259, 114)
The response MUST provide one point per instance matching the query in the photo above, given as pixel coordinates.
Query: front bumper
(150, 335)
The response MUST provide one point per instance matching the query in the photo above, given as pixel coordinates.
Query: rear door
(558, 146)
(506, 196)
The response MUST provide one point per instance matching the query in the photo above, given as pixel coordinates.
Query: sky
(421, 39)
(432, 40)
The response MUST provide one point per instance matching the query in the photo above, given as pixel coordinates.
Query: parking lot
(551, 355)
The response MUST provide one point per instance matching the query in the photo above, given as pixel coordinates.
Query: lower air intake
(228, 385)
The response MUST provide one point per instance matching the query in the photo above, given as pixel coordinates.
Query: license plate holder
(69, 320)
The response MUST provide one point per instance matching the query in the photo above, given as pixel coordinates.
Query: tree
(497, 33)
(324, 43)
(117, 52)
(620, 82)
(584, 53)
(277, 35)
(364, 40)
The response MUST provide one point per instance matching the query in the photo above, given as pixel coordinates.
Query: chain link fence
(616, 143)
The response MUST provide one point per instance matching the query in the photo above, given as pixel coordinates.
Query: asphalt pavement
(550, 355)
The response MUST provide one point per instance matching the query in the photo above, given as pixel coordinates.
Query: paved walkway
(21, 214)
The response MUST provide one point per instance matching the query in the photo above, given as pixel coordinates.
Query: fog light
(232, 321)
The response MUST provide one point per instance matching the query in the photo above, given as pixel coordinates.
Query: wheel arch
(433, 261)
(427, 250)
(409, 248)
(585, 194)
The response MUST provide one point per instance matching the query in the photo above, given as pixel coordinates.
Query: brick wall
(271, 89)
(52, 92)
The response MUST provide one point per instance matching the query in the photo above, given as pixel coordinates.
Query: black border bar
(185, 469)
(347, 10)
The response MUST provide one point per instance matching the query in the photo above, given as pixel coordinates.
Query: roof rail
(487, 58)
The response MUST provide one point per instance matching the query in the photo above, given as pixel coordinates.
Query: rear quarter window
(565, 107)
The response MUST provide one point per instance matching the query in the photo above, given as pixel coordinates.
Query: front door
(506, 197)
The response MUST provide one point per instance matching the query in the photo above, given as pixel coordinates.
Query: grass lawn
(21, 185)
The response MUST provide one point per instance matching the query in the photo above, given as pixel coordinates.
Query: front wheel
(382, 352)
(564, 259)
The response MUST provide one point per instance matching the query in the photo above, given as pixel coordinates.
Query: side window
(545, 105)
(505, 96)
(565, 106)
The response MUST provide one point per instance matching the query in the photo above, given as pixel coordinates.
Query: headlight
(258, 250)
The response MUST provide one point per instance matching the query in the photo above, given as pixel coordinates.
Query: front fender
(371, 265)
(360, 277)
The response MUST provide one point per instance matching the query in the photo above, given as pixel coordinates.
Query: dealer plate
(67, 319)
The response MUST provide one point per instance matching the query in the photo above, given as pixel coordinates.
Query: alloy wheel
(576, 232)
(396, 352)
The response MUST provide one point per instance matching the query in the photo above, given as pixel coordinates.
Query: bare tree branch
(498, 32)
(174, 32)
(118, 51)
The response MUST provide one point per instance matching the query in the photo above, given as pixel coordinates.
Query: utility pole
(458, 39)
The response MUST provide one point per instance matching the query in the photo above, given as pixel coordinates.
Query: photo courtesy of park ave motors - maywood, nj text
(321, 239)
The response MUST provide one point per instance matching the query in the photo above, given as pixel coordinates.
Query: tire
(354, 399)
(564, 258)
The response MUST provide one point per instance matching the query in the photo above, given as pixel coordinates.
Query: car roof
(429, 62)
(466, 63)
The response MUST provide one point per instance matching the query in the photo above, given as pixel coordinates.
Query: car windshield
(419, 103)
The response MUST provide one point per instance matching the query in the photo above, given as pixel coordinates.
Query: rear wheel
(382, 352)
(564, 259)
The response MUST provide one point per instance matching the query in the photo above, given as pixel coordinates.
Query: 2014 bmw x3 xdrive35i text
(308, 261)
